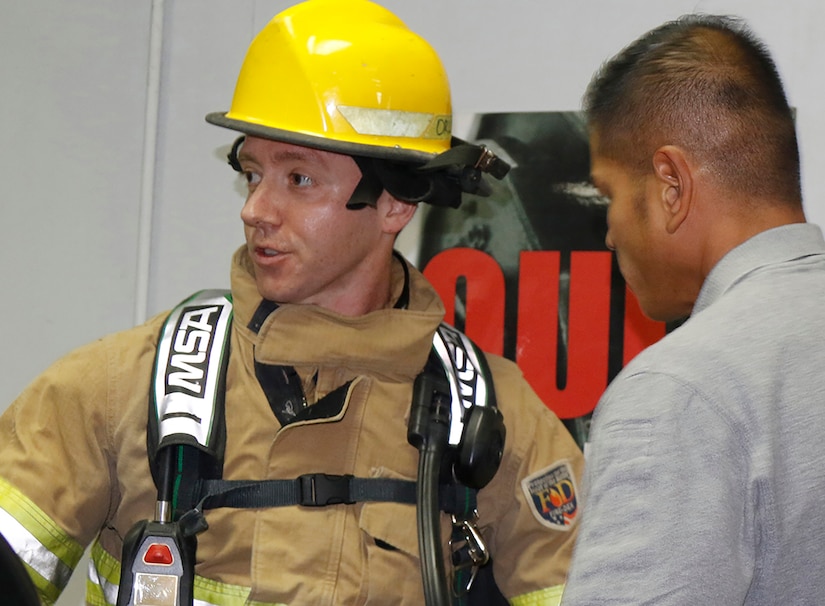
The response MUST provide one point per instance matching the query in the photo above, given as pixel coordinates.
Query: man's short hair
(708, 85)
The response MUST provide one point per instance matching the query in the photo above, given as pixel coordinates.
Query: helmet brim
(395, 154)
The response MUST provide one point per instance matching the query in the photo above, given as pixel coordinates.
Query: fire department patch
(552, 494)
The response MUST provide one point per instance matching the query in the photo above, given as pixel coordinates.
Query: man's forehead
(599, 165)
(259, 149)
(607, 173)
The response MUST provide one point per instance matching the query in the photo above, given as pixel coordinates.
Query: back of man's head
(705, 84)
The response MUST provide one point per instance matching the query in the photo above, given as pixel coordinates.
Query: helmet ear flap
(404, 181)
(408, 183)
(369, 188)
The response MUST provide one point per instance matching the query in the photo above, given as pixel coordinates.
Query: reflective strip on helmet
(396, 123)
(47, 551)
(104, 576)
(551, 596)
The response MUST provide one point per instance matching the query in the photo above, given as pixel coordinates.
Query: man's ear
(674, 182)
(395, 213)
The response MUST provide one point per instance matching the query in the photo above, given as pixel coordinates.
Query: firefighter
(344, 123)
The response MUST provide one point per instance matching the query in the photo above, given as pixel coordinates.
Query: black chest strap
(314, 490)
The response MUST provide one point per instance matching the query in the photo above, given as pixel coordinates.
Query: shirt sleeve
(666, 503)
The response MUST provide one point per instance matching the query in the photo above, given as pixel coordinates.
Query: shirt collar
(777, 245)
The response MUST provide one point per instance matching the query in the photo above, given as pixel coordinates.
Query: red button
(158, 554)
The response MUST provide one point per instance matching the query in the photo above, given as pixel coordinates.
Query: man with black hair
(705, 467)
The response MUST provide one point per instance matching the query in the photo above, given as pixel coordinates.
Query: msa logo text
(188, 355)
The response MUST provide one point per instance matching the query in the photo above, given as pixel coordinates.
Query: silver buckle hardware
(468, 550)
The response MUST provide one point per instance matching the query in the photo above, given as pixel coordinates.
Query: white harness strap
(189, 371)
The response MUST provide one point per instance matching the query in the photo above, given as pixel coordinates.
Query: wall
(116, 200)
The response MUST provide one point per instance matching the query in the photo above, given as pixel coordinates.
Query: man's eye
(300, 180)
(252, 179)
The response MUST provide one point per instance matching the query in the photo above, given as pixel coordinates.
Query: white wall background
(116, 202)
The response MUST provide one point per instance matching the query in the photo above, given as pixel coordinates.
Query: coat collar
(389, 342)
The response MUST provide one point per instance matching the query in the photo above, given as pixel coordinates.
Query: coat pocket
(390, 540)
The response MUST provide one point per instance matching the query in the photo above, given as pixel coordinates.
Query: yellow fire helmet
(348, 76)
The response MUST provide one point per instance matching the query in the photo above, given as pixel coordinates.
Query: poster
(525, 272)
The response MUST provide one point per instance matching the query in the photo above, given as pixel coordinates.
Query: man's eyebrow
(304, 154)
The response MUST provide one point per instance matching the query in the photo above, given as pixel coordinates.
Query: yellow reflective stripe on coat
(50, 555)
(543, 597)
(104, 576)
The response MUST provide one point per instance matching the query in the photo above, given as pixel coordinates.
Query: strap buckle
(193, 522)
(321, 489)
(468, 551)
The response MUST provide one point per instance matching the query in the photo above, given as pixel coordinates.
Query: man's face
(636, 233)
(305, 245)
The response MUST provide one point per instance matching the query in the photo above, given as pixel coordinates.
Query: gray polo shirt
(705, 472)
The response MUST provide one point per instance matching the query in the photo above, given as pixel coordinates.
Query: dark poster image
(525, 272)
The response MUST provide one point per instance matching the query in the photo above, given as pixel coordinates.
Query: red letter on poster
(484, 313)
(588, 325)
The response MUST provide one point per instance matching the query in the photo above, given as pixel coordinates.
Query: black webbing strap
(310, 490)
(314, 490)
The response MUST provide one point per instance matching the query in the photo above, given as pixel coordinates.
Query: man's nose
(260, 207)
